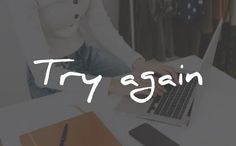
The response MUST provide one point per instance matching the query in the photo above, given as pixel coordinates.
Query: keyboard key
(193, 85)
(162, 102)
(185, 97)
(175, 101)
(171, 97)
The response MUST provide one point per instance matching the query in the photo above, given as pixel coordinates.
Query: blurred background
(169, 29)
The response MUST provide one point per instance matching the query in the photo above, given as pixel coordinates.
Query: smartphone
(149, 136)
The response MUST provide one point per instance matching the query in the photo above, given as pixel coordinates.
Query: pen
(64, 135)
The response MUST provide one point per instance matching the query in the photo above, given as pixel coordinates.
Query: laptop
(176, 106)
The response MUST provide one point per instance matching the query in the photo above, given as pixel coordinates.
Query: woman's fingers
(160, 88)
(157, 92)
(159, 71)
(169, 71)
(173, 73)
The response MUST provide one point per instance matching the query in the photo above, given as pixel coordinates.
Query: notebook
(83, 130)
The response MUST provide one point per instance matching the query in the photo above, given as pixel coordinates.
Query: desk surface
(213, 125)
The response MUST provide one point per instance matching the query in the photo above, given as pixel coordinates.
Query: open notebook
(83, 130)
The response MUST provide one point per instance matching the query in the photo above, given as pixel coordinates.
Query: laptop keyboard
(174, 103)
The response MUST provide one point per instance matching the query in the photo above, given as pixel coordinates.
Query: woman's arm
(102, 29)
(35, 47)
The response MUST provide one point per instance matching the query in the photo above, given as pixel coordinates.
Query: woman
(58, 29)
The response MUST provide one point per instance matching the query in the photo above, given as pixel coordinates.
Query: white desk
(214, 125)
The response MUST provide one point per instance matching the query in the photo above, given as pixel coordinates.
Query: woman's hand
(117, 88)
(139, 67)
(153, 65)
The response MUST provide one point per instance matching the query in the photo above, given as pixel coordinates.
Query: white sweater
(54, 28)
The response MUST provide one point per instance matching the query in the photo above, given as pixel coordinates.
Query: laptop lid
(205, 69)
(211, 50)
